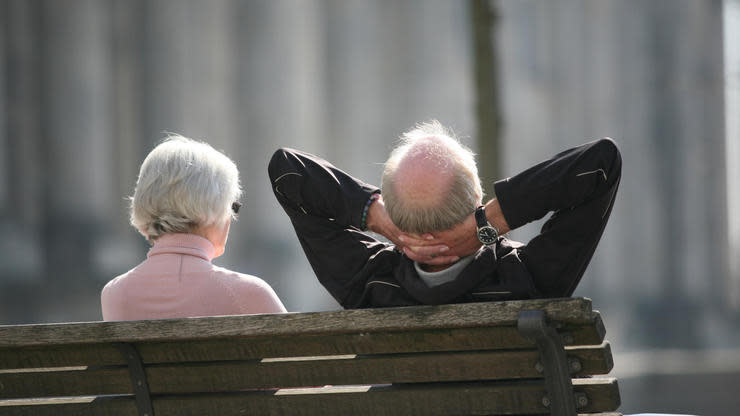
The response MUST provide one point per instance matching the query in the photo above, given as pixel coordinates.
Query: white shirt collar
(443, 276)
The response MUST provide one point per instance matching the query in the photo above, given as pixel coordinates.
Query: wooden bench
(476, 359)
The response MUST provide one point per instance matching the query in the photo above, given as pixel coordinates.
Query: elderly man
(447, 247)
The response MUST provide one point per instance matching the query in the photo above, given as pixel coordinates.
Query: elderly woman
(184, 202)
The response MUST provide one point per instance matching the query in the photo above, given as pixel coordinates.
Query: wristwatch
(487, 234)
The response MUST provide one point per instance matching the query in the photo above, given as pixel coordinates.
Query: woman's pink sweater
(178, 280)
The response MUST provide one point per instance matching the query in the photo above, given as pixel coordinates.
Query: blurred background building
(88, 87)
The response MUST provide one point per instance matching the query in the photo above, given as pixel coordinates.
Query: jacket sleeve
(315, 187)
(578, 186)
(564, 181)
(325, 206)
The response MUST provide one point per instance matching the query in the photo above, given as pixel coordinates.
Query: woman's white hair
(464, 194)
(183, 184)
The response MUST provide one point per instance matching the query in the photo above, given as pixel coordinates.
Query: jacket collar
(485, 263)
(188, 244)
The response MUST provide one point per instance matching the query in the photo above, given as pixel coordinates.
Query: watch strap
(480, 217)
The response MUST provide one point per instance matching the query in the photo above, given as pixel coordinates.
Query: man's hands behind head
(442, 247)
(421, 248)
(461, 239)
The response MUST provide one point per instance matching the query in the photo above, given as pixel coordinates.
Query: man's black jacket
(325, 206)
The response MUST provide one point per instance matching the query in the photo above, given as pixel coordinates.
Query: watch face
(487, 235)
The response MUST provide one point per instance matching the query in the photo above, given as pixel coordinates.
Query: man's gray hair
(183, 184)
(434, 142)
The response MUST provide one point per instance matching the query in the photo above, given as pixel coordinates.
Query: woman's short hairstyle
(465, 192)
(183, 184)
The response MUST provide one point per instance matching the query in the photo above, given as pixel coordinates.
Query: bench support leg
(560, 398)
(138, 378)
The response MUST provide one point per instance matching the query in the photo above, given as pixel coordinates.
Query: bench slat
(566, 310)
(240, 347)
(358, 343)
(74, 406)
(409, 368)
(600, 399)
(76, 381)
(427, 399)
(60, 356)
(594, 359)
(308, 371)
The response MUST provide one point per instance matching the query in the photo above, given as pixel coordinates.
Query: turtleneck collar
(189, 244)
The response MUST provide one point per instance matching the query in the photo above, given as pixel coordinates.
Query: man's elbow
(278, 163)
(607, 145)
(610, 154)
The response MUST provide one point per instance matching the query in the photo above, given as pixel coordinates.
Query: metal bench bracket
(138, 378)
(560, 399)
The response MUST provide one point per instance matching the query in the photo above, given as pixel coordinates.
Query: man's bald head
(430, 181)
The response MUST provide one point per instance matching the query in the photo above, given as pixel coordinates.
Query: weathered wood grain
(244, 346)
(240, 348)
(448, 359)
(60, 356)
(435, 399)
(602, 394)
(297, 372)
(593, 359)
(566, 310)
(72, 406)
(408, 400)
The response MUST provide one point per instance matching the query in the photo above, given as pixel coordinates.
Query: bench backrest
(426, 360)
